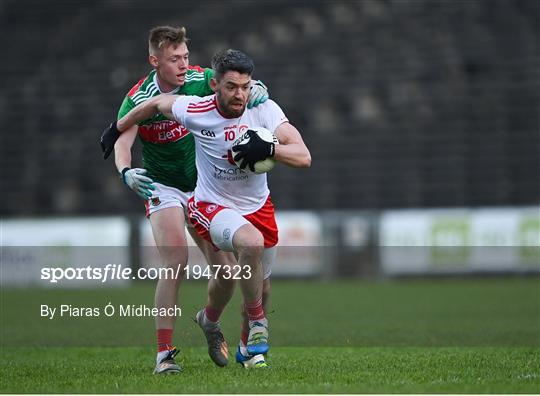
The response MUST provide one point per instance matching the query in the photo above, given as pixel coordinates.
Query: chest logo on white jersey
(208, 133)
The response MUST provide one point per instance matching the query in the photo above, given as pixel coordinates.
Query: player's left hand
(258, 94)
(138, 181)
(253, 151)
(108, 138)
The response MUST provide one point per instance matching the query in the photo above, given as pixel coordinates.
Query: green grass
(427, 336)
(293, 370)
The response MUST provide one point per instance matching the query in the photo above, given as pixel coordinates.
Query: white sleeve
(271, 115)
(179, 108)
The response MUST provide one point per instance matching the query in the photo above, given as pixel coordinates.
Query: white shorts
(224, 225)
(167, 197)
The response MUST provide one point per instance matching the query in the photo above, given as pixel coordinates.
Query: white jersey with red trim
(219, 180)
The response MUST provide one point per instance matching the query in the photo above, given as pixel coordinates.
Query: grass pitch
(293, 370)
(429, 336)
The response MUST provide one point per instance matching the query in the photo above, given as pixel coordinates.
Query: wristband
(123, 173)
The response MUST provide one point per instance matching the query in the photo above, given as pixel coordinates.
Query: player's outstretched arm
(122, 148)
(136, 179)
(291, 149)
(158, 104)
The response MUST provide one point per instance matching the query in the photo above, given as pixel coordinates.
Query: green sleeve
(208, 74)
(126, 106)
(199, 84)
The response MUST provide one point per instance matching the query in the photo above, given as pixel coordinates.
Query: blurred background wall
(402, 103)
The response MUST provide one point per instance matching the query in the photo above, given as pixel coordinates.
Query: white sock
(264, 322)
(243, 349)
(208, 323)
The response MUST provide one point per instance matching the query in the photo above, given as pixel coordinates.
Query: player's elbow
(305, 160)
(120, 145)
(163, 104)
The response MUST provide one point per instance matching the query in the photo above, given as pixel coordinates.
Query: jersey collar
(156, 83)
(223, 115)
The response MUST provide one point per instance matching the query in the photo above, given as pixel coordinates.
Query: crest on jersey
(211, 208)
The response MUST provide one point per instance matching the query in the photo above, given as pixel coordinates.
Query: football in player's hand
(264, 134)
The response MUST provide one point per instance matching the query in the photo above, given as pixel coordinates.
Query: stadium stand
(403, 103)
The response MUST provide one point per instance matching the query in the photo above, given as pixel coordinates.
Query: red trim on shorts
(265, 221)
(200, 214)
(200, 221)
(147, 209)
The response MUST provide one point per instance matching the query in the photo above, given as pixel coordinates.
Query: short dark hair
(231, 60)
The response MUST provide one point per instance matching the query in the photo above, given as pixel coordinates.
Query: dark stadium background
(402, 103)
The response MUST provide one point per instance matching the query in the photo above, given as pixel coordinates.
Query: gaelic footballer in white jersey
(220, 180)
(231, 207)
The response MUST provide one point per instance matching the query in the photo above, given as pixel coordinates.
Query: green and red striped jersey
(168, 148)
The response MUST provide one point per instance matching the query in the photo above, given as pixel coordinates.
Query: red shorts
(201, 214)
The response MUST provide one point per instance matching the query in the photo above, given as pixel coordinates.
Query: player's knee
(174, 256)
(172, 273)
(248, 241)
(169, 280)
(224, 226)
(174, 276)
(250, 252)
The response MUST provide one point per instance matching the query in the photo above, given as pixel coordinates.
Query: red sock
(164, 339)
(255, 310)
(244, 335)
(212, 314)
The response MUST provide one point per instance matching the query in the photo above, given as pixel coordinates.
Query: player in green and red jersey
(167, 180)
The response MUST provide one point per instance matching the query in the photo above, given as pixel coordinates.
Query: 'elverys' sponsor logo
(162, 132)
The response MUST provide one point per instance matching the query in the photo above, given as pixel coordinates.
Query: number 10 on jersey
(229, 136)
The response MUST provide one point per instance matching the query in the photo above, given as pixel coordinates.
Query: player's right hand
(135, 179)
(108, 138)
